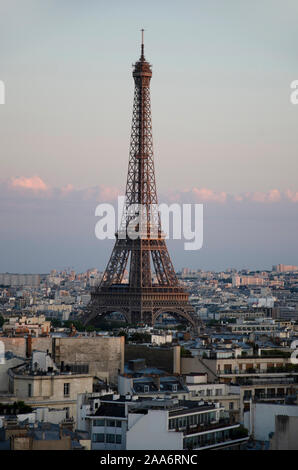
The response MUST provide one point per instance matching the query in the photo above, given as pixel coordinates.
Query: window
(227, 368)
(118, 439)
(118, 424)
(29, 390)
(173, 423)
(111, 423)
(98, 437)
(110, 438)
(66, 389)
(231, 405)
(99, 422)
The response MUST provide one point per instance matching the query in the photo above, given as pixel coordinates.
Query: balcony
(222, 423)
(270, 370)
(269, 381)
(219, 443)
(234, 436)
(266, 396)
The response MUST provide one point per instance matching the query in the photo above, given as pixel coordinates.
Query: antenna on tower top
(142, 30)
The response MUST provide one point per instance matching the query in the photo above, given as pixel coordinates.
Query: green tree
(123, 333)
(55, 322)
(184, 352)
(18, 407)
(90, 328)
(140, 338)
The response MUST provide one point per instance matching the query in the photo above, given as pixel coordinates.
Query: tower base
(140, 305)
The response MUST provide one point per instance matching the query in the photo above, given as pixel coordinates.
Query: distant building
(284, 268)
(153, 385)
(158, 338)
(35, 326)
(247, 281)
(16, 280)
(246, 327)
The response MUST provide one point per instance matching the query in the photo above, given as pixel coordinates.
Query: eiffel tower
(140, 300)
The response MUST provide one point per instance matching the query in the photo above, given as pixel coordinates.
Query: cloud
(292, 196)
(57, 224)
(23, 188)
(36, 187)
(238, 198)
(205, 194)
(198, 195)
(273, 195)
(67, 189)
(101, 193)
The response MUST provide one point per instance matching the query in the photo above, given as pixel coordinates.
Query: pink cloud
(291, 195)
(67, 189)
(100, 193)
(34, 183)
(272, 196)
(103, 193)
(205, 194)
(108, 193)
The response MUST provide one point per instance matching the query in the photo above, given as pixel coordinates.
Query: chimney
(29, 346)
(156, 380)
(176, 360)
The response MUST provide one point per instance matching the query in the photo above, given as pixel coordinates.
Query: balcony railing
(235, 436)
(266, 396)
(270, 381)
(222, 423)
(270, 370)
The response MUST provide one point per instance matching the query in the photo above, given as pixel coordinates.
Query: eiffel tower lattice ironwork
(140, 300)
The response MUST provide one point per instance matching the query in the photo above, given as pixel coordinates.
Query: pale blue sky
(220, 90)
(222, 117)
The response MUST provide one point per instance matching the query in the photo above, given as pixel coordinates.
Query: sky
(224, 129)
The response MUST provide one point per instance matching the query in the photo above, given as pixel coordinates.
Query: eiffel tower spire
(141, 299)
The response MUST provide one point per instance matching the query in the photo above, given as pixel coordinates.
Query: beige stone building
(54, 389)
(100, 356)
(104, 355)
